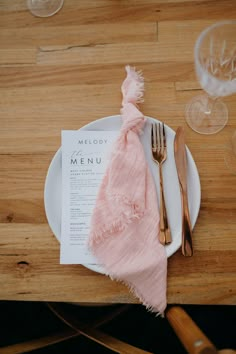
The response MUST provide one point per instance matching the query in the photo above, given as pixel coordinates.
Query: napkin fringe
(131, 211)
(135, 91)
(136, 293)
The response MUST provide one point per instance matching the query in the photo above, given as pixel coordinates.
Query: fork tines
(158, 141)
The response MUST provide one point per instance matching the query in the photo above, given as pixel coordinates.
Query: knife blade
(181, 166)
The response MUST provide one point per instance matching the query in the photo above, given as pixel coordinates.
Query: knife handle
(187, 244)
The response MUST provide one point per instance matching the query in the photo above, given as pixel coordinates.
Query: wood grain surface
(65, 71)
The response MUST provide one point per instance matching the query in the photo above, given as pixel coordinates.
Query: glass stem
(210, 101)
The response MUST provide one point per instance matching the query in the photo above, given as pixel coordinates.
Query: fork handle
(164, 236)
(187, 246)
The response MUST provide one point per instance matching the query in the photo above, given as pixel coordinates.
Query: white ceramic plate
(52, 191)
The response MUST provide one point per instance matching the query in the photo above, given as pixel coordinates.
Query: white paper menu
(85, 156)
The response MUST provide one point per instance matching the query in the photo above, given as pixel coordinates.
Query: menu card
(85, 155)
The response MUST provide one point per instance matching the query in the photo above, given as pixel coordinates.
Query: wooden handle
(192, 338)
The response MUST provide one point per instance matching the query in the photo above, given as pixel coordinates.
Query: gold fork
(159, 154)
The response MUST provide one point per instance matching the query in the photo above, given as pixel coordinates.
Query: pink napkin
(125, 221)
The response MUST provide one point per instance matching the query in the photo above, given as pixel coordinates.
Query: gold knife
(181, 166)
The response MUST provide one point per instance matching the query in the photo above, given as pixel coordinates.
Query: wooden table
(65, 71)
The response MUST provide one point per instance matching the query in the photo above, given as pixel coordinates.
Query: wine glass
(44, 8)
(215, 65)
